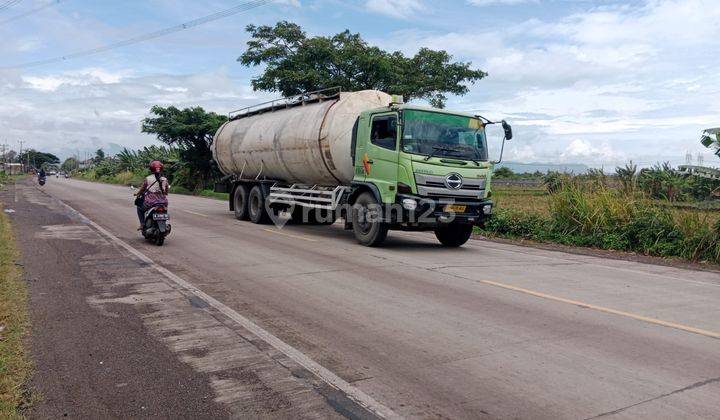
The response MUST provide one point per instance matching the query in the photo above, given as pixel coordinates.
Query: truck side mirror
(508, 130)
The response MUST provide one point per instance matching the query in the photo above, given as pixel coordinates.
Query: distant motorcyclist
(41, 175)
(153, 191)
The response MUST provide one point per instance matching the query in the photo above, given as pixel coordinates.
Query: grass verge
(610, 219)
(15, 365)
(128, 178)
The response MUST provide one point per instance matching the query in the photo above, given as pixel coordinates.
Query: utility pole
(20, 157)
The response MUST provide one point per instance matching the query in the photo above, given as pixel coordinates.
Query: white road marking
(318, 370)
(291, 236)
(195, 213)
(687, 328)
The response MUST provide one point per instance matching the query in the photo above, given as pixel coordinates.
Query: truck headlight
(409, 204)
(487, 209)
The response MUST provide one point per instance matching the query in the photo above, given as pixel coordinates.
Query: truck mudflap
(222, 187)
(433, 211)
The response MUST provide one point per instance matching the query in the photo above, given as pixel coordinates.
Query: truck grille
(434, 186)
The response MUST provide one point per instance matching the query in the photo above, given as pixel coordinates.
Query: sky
(599, 82)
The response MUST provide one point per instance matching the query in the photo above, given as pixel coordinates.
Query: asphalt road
(486, 331)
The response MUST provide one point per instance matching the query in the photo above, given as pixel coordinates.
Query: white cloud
(28, 44)
(585, 151)
(84, 77)
(402, 9)
(96, 107)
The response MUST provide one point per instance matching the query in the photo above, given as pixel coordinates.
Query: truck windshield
(455, 136)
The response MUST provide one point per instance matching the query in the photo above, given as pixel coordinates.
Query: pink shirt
(155, 192)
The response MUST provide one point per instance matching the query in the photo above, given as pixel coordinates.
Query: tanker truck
(365, 157)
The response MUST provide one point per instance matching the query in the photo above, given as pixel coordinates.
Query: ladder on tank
(287, 102)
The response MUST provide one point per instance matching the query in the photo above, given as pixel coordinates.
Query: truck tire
(256, 206)
(369, 230)
(240, 202)
(453, 235)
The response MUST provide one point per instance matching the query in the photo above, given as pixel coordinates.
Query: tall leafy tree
(191, 131)
(69, 164)
(99, 156)
(38, 159)
(295, 63)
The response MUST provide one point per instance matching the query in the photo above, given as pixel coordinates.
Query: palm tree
(627, 177)
(711, 139)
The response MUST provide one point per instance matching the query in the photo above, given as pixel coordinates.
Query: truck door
(380, 161)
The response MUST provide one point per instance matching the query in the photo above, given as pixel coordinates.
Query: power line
(30, 12)
(240, 8)
(8, 3)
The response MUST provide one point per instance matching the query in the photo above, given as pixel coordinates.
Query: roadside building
(12, 168)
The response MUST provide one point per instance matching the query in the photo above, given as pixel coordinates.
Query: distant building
(700, 171)
(86, 164)
(12, 168)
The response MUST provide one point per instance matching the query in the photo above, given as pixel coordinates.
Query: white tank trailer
(305, 143)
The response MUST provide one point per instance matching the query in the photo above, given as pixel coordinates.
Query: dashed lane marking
(318, 370)
(707, 333)
(195, 213)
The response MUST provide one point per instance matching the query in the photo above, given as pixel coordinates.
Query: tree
(627, 177)
(191, 130)
(295, 63)
(99, 156)
(70, 164)
(38, 159)
(711, 139)
(503, 172)
(10, 156)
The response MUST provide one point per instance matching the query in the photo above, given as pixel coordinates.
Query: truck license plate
(455, 208)
(160, 216)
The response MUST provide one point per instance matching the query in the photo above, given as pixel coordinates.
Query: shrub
(592, 215)
(516, 223)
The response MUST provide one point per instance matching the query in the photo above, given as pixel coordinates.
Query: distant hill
(519, 168)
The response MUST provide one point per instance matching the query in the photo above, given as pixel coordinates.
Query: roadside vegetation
(129, 167)
(654, 211)
(15, 366)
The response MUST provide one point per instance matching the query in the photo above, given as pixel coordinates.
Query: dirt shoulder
(15, 366)
(90, 363)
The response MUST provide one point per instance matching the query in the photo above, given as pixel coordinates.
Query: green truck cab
(421, 169)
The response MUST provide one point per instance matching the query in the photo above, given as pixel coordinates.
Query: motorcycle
(41, 180)
(157, 224)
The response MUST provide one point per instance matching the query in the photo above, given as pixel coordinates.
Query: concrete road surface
(321, 327)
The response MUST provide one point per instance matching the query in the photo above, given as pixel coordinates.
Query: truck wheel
(240, 202)
(256, 206)
(453, 235)
(369, 230)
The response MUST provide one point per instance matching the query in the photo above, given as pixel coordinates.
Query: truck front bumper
(424, 211)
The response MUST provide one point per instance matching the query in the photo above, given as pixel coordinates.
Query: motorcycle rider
(41, 174)
(154, 191)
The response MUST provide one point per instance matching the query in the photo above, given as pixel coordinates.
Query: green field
(608, 218)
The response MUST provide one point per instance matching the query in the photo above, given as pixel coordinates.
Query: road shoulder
(112, 339)
(15, 366)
